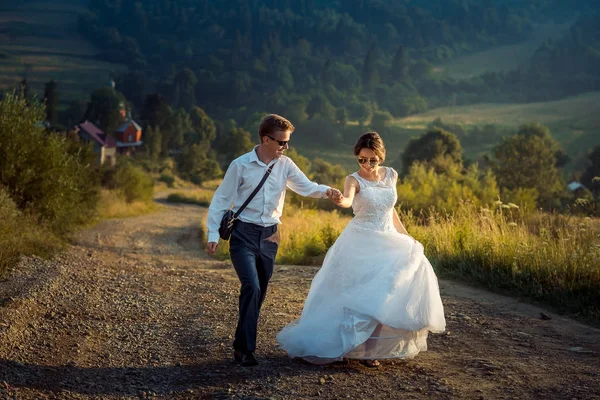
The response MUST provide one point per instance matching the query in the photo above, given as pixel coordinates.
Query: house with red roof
(105, 146)
(128, 137)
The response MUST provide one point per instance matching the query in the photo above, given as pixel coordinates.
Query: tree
(156, 111)
(341, 116)
(592, 172)
(370, 76)
(184, 89)
(528, 160)
(105, 109)
(380, 120)
(198, 163)
(319, 105)
(53, 178)
(301, 162)
(235, 142)
(153, 141)
(203, 127)
(399, 69)
(327, 173)
(51, 100)
(180, 123)
(437, 148)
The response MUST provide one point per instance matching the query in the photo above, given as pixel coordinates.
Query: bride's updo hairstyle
(373, 142)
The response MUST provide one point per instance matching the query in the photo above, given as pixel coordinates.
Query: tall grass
(306, 235)
(21, 234)
(551, 258)
(547, 257)
(114, 205)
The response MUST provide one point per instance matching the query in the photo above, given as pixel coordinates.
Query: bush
(548, 257)
(422, 189)
(21, 235)
(46, 174)
(168, 179)
(133, 183)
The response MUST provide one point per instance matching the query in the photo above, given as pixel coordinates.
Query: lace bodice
(373, 205)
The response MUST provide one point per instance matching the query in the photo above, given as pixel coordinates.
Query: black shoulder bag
(230, 217)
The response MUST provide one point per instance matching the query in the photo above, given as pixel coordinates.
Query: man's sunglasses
(282, 143)
(372, 161)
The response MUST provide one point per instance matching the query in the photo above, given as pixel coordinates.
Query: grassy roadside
(549, 258)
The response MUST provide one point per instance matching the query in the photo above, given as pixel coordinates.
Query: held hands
(335, 195)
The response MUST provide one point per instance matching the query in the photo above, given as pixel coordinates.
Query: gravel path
(136, 309)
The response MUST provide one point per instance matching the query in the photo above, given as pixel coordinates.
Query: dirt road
(136, 309)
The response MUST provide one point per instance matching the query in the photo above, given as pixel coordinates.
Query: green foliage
(104, 109)
(592, 171)
(198, 163)
(327, 173)
(183, 198)
(46, 174)
(168, 179)
(51, 101)
(234, 143)
(528, 160)
(20, 234)
(341, 116)
(546, 257)
(302, 162)
(133, 183)
(380, 121)
(184, 89)
(437, 148)
(422, 189)
(203, 127)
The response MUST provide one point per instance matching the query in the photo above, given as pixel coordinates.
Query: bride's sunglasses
(371, 161)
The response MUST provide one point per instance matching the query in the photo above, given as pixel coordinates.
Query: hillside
(39, 40)
(501, 58)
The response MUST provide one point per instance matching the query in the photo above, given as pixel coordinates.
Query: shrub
(48, 175)
(133, 183)
(21, 235)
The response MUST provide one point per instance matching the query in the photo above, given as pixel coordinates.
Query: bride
(376, 295)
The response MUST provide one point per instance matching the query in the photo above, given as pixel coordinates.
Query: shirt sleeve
(222, 200)
(299, 183)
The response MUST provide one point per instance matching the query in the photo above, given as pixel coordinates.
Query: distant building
(104, 145)
(128, 137)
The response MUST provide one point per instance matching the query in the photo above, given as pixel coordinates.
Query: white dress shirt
(242, 176)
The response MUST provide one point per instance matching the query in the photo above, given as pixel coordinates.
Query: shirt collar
(254, 158)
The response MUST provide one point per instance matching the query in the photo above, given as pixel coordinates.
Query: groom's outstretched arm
(299, 183)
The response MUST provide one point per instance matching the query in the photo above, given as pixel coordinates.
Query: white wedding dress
(376, 295)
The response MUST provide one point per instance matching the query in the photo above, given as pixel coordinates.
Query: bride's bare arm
(398, 224)
(351, 187)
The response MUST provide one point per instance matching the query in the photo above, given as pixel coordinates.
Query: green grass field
(39, 40)
(573, 121)
(501, 58)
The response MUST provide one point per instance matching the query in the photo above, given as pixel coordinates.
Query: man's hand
(335, 195)
(211, 248)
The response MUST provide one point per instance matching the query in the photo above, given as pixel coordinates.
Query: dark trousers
(253, 258)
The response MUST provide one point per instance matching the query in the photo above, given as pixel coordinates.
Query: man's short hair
(272, 123)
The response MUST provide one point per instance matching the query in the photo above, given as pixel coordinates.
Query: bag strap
(264, 178)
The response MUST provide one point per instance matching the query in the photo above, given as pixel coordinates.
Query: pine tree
(399, 70)
(51, 101)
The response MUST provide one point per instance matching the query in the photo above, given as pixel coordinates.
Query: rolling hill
(39, 40)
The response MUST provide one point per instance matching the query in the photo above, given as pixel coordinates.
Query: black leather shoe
(248, 359)
(237, 355)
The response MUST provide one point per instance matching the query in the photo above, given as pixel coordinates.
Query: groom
(255, 239)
